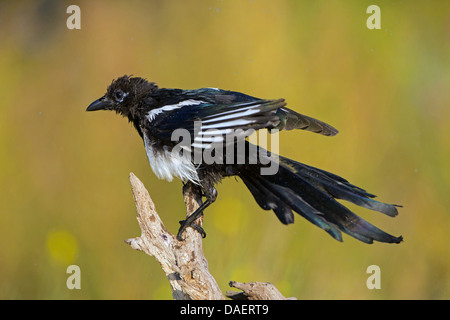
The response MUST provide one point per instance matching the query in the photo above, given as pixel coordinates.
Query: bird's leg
(189, 222)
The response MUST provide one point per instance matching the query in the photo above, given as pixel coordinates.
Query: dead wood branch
(183, 262)
(255, 291)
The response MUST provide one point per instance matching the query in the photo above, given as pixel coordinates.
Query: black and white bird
(157, 113)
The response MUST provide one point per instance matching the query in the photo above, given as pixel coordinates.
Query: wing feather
(240, 118)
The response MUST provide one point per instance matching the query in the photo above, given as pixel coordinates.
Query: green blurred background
(65, 195)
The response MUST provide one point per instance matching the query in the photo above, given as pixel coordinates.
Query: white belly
(167, 165)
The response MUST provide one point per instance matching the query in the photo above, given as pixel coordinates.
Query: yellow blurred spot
(62, 246)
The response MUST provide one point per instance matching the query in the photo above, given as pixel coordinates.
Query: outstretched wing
(208, 121)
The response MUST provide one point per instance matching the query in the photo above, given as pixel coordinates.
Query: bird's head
(124, 96)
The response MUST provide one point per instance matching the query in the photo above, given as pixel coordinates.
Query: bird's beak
(99, 104)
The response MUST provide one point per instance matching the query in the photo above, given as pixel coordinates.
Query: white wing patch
(154, 112)
(214, 128)
(238, 122)
(232, 116)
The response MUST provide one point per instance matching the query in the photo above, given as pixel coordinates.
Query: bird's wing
(290, 120)
(208, 122)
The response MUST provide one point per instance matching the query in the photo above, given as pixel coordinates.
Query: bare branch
(255, 291)
(183, 262)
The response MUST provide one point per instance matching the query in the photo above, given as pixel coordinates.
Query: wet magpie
(157, 113)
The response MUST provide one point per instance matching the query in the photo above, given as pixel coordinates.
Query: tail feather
(311, 192)
(268, 200)
(283, 200)
(340, 188)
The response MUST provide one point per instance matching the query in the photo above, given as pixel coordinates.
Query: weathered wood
(183, 262)
(255, 291)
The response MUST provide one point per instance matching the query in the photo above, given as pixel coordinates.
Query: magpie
(157, 113)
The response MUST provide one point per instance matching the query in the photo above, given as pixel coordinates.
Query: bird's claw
(184, 224)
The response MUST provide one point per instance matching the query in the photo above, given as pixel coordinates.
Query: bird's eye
(119, 95)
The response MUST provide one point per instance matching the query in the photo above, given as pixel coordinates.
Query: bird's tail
(312, 193)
